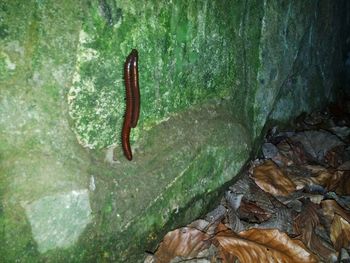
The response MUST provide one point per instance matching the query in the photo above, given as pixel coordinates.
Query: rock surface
(212, 74)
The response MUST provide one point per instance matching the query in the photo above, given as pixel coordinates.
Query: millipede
(132, 99)
(135, 88)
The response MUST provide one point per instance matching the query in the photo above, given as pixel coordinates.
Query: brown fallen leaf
(292, 151)
(270, 151)
(216, 215)
(234, 222)
(332, 183)
(281, 220)
(305, 224)
(308, 218)
(344, 167)
(317, 143)
(184, 242)
(315, 169)
(340, 232)
(331, 207)
(343, 186)
(271, 179)
(334, 157)
(343, 201)
(225, 256)
(252, 213)
(263, 245)
(204, 226)
(253, 193)
(326, 178)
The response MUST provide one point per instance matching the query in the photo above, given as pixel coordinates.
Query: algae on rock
(212, 74)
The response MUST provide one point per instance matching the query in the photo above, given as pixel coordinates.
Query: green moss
(183, 61)
(4, 71)
(14, 224)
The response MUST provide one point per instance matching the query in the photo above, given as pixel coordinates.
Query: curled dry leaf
(263, 245)
(272, 180)
(340, 232)
(184, 242)
(235, 222)
(216, 215)
(270, 151)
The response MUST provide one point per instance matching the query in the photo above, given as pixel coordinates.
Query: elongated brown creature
(135, 88)
(128, 108)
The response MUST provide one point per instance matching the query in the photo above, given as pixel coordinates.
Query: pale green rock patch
(58, 220)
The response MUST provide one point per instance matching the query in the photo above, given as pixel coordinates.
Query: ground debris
(290, 205)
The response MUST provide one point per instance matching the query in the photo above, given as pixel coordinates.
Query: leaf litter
(290, 205)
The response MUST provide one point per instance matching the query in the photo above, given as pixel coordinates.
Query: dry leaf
(225, 256)
(270, 151)
(317, 143)
(334, 157)
(333, 182)
(322, 248)
(340, 232)
(315, 168)
(221, 228)
(251, 212)
(305, 224)
(255, 194)
(343, 201)
(281, 220)
(272, 180)
(344, 256)
(306, 220)
(184, 242)
(235, 222)
(292, 151)
(331, 207)
(325, 178)
(343, 186)
(199, 224)
(344, 167)
(264, 245)
(216, 215)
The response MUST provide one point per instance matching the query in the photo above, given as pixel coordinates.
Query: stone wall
(212, 74)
